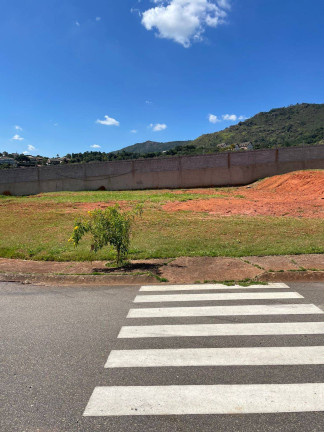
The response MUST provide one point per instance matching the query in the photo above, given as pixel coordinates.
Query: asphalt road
(55, 342)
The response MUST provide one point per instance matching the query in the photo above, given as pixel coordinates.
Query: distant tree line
(97, 156)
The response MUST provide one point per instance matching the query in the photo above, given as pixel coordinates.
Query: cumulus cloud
(225, 4)
(17, 138)
(98, 18)
(148, 102)
(77, 23)
(31, 147)
(25, 152)
(133, 131)
(225, 117)
(184, 21)
(95, 146)
(158, 127)
(229, 117)
(18, 128)
(108, 121)
(213, 118)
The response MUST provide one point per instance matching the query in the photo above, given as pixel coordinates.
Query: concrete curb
(104, 280)
(292, 276)
(98, 280)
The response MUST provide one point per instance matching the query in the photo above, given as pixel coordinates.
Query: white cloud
(148, 102)
(133, 131)
(17, 138)
(31, 147)
(184, 20)
(229, 117)
(158, 127)
(77, 23)
(95, 146)
(226, 117)
(213, 118)
(98, 19)
(18, 128)
(136, 11)
(109, 121)
(25, 152)
(225, 4)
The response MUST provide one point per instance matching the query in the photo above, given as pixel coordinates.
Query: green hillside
(153, 146)
(301, 124)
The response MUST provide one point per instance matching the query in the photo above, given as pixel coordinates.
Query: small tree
(107, 227)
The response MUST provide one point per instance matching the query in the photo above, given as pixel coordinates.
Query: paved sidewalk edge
(104, 280)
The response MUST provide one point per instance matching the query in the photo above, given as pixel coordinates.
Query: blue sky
(150, 69)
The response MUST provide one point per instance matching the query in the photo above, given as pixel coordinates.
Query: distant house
(223, 146)
(7, 161)
(26, 161)
(57, 161)
(32, 159)
(39, 160)
(244, 146)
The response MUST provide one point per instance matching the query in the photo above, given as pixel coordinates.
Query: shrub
(107, 227)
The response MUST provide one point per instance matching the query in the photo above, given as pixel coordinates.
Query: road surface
(190, 358)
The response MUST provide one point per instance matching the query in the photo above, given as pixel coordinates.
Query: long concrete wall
(174, 172)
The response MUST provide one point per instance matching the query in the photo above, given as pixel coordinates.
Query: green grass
(38, 227)
(153, 196)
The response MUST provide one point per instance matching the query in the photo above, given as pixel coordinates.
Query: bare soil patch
(275, 263)
(298, 194)
(200, 269)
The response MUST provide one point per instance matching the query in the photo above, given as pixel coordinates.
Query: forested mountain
(301, 124)
(153, 146)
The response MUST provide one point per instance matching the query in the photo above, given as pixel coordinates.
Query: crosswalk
(187, 334)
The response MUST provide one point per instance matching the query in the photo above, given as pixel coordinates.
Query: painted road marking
(188, 330)
(214, 399)
(197, 287)
(205, 399)
(216, 357)
(275, 309)
(217, 296)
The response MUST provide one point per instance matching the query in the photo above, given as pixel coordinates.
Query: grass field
(38, 227)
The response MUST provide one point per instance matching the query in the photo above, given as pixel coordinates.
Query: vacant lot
(281, 215)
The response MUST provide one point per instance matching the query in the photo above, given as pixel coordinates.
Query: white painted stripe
(197, 287)
(286, 328)
(217, 296)
(275, 309)
(205, 399)
(261, 356)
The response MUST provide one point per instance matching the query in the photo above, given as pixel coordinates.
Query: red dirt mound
(298, 194)
(304, 182)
